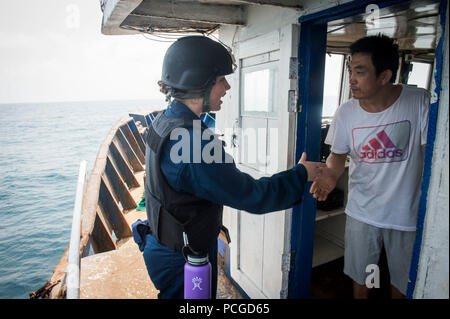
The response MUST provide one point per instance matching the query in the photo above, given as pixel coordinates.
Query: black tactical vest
(170, 213)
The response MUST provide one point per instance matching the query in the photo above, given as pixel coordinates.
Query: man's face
(217, 92)
(364, 82)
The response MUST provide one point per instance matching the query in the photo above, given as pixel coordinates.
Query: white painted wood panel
(433, 273)
(259, 241)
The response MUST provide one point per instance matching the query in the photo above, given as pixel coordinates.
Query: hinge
(293, 68)
(286, 262)
(292, 101)
(285, 268)
(293, 76)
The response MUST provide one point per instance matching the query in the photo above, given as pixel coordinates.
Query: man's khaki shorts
(363, 245)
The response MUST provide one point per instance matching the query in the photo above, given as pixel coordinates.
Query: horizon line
(81, 101)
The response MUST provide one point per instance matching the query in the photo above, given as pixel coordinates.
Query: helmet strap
(174, 93)
(184, 95)
(206, 105)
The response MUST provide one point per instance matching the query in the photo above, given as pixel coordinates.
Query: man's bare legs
(362, 292)
(396, 294)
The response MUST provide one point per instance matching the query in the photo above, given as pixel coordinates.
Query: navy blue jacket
(223, 183)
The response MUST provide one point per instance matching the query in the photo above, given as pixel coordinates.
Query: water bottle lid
(197, 260)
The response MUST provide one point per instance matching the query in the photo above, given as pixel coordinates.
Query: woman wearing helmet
(185, 198)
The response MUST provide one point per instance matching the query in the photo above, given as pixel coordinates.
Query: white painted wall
(432, 276)
(261, 20)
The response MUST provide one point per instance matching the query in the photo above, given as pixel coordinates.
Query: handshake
(324, 178)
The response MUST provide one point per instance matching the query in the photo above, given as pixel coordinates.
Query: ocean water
(41, 147)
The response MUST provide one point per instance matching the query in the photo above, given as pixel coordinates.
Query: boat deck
(116, 274)
(122, 274)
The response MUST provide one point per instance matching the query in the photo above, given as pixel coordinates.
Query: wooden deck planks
(116, 274)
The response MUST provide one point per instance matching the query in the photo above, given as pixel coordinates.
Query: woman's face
(217, 92)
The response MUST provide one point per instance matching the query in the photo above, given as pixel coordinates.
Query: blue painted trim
(220, 247)
(147, 119)
(431, 137)
(208, 119)
(132, 127)
(311, 75)
(122, 129)
(345, 10)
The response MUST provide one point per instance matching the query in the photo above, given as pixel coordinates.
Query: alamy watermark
(373, 277)
(373, 18)
(73, 16)
(259, 146)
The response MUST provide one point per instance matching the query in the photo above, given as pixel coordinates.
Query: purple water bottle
(197, 278)
(197, 273)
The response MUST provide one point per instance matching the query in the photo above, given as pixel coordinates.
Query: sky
(54, 51)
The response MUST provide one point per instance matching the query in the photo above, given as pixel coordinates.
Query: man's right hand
(324, 183)
(327, 177)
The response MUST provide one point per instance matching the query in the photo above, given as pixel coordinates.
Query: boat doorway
(317, 240)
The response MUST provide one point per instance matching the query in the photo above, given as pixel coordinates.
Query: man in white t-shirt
(383, 130)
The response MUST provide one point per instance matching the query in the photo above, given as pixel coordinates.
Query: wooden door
(264, 144)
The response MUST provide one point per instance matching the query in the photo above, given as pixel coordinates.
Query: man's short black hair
(383, 50)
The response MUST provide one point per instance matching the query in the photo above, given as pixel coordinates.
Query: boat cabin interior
(415, 26)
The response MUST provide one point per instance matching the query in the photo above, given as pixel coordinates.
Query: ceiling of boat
(413, 23)
(179, 16)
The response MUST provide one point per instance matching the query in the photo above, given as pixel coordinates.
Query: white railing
(73, 267)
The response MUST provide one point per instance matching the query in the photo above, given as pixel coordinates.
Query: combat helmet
(191, 65)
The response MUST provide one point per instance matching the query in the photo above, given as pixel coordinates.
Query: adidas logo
(380, 147)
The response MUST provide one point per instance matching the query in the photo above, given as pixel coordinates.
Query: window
(258, 113)
(258, 89)
(332, 83)
(420, 75)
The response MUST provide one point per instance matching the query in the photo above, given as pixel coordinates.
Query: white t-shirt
(386, 158)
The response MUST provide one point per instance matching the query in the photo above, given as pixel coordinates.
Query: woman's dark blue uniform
(220, 183)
